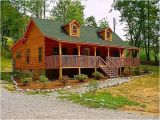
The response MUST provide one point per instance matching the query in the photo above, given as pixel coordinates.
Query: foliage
(136, 71)
(9, 87)
(13, 22)
(46, 93)
(81, 77)
(142, 26)
(146, 69)
(103, 23)
(98, 75)
(67, 10)
(101, 100)
(64, 80)
(43, 79)
(26, 80)
(90, 21)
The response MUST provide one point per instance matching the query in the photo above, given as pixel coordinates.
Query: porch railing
(87, 61)
(71, 61)
(125, 61)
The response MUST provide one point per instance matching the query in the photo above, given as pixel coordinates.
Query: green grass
(100, 100)
(6, 64)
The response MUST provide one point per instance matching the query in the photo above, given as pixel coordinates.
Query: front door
(86, 51)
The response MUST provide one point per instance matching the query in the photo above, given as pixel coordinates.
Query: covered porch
(60, 55)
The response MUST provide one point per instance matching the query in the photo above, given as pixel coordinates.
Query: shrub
(98, 75)
(146, 70)
(43, 79)
(64, 80)
(26, 80)
(136, 71)
(81, 77)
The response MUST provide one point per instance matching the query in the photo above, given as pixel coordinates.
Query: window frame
(28, 56)
(40, 54)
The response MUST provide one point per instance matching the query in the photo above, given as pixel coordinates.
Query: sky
(100, 9)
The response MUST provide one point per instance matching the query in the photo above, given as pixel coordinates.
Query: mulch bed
(52, 84)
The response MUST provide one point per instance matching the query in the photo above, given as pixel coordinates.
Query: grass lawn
(140, 94)
(100, 100)
(6, 69)
(142, 90)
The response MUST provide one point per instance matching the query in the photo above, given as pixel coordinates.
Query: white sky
(100, 9)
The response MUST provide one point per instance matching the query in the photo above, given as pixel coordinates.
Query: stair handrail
(114, 65)
(103, 62)
(112, 62)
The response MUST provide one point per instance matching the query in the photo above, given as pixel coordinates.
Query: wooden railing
(71, 61)
(125, 61)
(87, 61)
(113, 66)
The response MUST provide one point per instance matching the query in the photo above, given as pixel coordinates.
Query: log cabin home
(58, 49)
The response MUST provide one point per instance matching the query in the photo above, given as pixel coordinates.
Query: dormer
(72, 28)
(106, 34)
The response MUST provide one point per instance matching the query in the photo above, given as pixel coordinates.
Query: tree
(140, 20)
(90, 21)
(103, 23)
(67, 10)
(13, 22)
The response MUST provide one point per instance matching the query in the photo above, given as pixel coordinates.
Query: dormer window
(108, 35)
(105, 33)
(74, 29)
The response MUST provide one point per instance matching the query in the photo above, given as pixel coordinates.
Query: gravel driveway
(22, 106)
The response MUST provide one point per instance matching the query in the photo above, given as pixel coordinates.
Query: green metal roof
(88, 34)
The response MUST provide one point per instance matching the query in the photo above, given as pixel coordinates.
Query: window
(64, 51)
(75, 51)
(74, 29)
(55, 51)
(40, 54)
(108, 35)
(18, 55)
(86, 51)
(28, 55)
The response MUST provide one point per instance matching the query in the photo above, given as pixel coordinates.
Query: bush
(81, 77)
(136, 71)
(98, 75)
(146, 70)
(26, 80)
(43, 79)
(64, 80)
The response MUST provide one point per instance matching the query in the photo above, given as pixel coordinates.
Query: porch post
(60, 60)
(120, 55)
(95, 54)
(108, 49)
(79, 53)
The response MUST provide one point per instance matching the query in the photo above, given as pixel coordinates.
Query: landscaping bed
(52, 84)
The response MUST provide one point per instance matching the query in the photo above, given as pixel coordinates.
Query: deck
(75, 61)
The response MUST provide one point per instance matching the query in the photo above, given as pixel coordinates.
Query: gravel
(102, 84)
(18, 105)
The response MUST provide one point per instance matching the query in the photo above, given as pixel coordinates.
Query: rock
(27, 90)
(68, 87)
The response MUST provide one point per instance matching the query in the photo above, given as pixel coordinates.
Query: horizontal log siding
(34, 40)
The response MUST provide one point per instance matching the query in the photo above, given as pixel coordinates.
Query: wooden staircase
(108, 67)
